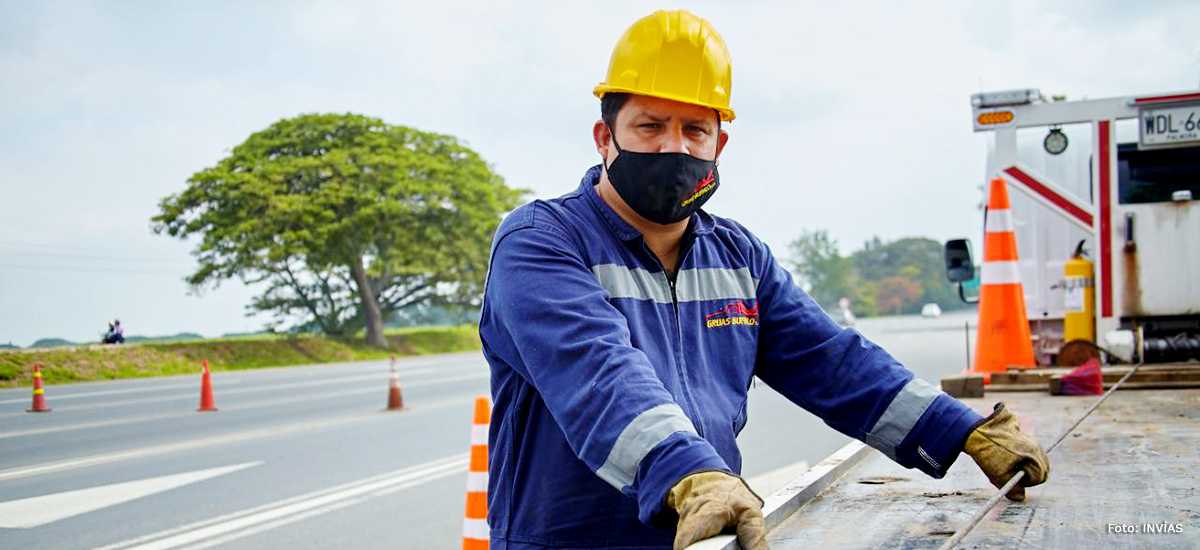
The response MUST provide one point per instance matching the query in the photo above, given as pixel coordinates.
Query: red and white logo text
(707, 183)
(735, 313)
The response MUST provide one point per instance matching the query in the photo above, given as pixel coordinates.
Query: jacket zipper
(681, 368)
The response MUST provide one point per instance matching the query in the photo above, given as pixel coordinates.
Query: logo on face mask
(735, 313)
(662, 187)
(706, 184)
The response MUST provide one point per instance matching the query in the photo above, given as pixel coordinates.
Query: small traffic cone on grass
(395, 399)
(39, 397)
(206, 393)
(475, 526)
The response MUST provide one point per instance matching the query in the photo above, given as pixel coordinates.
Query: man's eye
(697, 129)
(649, 125)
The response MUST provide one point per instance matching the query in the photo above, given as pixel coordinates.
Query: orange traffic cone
(475, 527)
(206, 396)
(1003, 340)
(395, 400)
(39, 397)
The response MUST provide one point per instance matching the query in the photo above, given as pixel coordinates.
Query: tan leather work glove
(1001, 450)
(710, 502)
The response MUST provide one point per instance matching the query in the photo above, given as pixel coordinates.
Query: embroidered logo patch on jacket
(735, 313)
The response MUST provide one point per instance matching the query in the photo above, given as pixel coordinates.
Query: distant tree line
(881, 278)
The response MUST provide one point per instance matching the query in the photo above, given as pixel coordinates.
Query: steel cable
(978, 516)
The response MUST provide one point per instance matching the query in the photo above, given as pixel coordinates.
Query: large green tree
(916, 258)
(345, 219)
(881, 277)
(829, 276)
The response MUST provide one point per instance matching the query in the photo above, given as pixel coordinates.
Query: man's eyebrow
(699, 121)
(651, 117)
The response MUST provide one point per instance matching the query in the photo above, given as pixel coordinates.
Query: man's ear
(722, 139)
(602, 135)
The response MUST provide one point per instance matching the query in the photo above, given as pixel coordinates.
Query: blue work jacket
(611, 381)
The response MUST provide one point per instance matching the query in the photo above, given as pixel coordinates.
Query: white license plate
(1170, 125)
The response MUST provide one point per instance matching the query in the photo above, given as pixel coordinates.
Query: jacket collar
(701, 222)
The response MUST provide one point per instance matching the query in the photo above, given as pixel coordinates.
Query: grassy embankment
(94, 362)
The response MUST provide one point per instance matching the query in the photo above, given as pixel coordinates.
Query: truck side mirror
(959, 267)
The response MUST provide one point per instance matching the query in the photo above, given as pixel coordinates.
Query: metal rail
(975, 519)
(784, 502)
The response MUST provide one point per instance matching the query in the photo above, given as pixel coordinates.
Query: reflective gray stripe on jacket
(691, 285)
(901, 415)
(640, 436)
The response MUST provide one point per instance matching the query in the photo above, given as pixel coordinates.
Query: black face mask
(663, 187)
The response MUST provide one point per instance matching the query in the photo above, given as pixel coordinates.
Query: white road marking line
(105, 458)
(219, 379)
(237, 407)
(324, 381)
(219, 384)
(324, 509)
(406, 367)
(236, 437)
(40, 510)
(96, 424)
(106, 392)
(278, 503)
(218, 530)
(219, 540)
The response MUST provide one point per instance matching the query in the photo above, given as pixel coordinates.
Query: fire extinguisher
(1080, 320)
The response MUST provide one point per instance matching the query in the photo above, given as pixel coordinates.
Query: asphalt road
(303, 457)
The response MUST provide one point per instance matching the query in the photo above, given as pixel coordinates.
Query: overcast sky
(852, 116)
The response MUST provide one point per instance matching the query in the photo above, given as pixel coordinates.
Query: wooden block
(1009, 377)
(1024, 386)
(1159, 385)
(1157, 379)
(967, 385)
(1024, 379)
(1037, 375)
(1173, 375)
(1056, 384)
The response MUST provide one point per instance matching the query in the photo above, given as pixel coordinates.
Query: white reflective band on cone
(477, 482)
(999, 221)
(1000, 273)
(479, 434)
(475, 529)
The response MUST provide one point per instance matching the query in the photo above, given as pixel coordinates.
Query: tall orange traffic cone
(395, 400)
(206, 396)
(1003, 340)
(39, 391)
(475, 527)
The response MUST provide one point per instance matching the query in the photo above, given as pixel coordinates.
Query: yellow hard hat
(673, 55)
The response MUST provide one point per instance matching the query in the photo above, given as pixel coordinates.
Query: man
(623, 326)
(115, 334)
